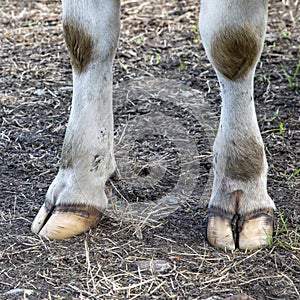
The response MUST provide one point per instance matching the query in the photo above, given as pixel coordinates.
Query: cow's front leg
(76, 196)
(240, 210)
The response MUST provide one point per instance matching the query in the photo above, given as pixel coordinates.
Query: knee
(80, 45)
(235, 50)
(84, 46)
(233, 35)
(91, 31)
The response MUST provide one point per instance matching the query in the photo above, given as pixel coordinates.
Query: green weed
(182, 65)
(285, 34)
(195, 31)
(154, 59)
(276, 114)
(280, 128)
(285, 237)
(293, 79)
(157, 58)
(294, 175)
(266, 78)
(140, 39)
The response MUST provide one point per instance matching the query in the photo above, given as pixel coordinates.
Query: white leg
(76, 195)
(233, 34)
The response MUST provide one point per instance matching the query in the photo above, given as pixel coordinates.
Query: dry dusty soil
(151, 244)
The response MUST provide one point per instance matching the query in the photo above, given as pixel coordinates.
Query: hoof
(63, 222)
(256, 230)
(248, 232)
(219, 231)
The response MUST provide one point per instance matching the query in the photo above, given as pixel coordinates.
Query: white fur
(90, 128)
(89, 133)
(237, 104)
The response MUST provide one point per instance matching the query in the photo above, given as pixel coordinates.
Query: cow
(240, 211)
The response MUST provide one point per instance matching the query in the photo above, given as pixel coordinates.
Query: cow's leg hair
(233, 33)
(240, 210)
(76, 196)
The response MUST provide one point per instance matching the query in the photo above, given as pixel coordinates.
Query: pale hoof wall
(63, 222)
(256, 231)
(248, 232)
(219, 232)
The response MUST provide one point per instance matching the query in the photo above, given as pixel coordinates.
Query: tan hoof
(256, 230)
(219, 231)
(63, 222)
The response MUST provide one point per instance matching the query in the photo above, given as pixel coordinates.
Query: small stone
(24, 292)
(40, 92)
(154, 266)
(239, 297)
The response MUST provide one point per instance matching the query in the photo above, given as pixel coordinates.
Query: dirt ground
(151, 245)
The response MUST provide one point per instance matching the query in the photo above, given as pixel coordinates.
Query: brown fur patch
(80, 45)
(245, 161)
(235, 51)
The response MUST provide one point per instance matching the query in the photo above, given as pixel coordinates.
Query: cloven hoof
(248, 232)
(63, 222)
